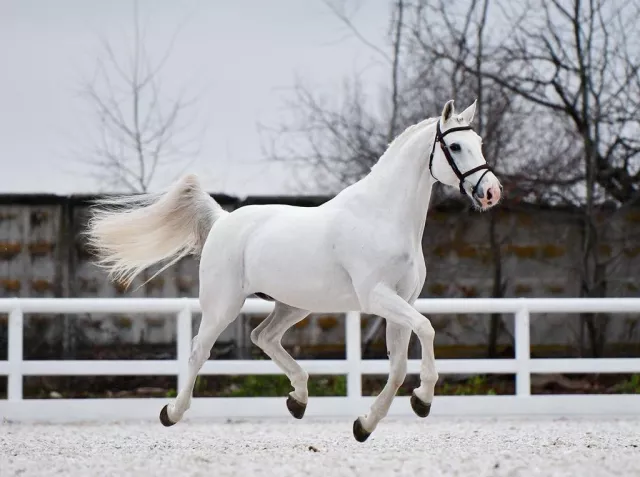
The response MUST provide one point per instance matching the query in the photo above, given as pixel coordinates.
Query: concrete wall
(42, 255)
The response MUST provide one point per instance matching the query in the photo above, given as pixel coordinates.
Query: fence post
(184, 345)
(15, 354)
(354, 356)
(523, 352)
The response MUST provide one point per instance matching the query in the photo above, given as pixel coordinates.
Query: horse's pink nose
(488, 195)
(493, 194)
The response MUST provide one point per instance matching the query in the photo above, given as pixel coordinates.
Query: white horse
(361, 250)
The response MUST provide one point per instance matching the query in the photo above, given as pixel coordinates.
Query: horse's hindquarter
(291, 257)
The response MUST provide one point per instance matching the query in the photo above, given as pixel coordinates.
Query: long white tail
(133, 233)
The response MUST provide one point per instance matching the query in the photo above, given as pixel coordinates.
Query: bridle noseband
(445, 149)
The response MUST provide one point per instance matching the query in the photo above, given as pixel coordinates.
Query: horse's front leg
(385, 302)
(398, 337)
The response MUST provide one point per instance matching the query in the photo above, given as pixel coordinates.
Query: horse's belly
(326, 298)
(304, 282)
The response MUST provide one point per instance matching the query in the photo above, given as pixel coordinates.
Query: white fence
(523, 403)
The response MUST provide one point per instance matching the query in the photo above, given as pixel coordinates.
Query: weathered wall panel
(42, 254)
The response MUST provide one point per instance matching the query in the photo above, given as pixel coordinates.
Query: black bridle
(445, 149)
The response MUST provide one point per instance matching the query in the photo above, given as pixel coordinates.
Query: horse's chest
(412, 280)
(414, 268)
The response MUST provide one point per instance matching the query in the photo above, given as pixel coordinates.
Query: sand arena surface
(431, 447)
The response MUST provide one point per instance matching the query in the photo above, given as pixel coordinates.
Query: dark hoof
(359, 432)
(164, 417)
(422, 409)
(296, 408)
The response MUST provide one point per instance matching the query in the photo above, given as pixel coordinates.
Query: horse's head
(456, 159)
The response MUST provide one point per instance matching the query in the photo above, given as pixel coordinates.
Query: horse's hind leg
(268, 336)
(217, 314)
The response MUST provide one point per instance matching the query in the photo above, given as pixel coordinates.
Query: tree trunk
(498, 289)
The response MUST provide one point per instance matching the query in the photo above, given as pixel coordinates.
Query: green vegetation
(628, 386)
(477, 385)
(267, 386)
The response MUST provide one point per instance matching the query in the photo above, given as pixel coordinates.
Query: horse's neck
(400, 182)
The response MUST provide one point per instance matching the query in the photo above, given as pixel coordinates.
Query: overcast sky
(241, 53)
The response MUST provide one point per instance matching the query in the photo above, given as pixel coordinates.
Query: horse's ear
(447, 111)
(468, 113)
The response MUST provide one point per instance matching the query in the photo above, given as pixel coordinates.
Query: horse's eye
(455, 147)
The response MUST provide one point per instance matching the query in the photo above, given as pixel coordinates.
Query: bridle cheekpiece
(445, 149)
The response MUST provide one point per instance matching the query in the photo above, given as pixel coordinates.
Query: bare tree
(578, 61)
(141, 129)
(340, 144)
(337, 144)
(146, 136)
(329, 146)
(559, 96)
(462, 30)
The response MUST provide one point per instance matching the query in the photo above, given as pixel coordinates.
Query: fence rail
(354, 367)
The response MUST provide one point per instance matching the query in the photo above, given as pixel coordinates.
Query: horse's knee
(425, 330)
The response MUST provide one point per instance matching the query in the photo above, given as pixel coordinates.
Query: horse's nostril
(489, 195)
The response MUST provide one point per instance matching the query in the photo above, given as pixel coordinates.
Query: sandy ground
(311, 447)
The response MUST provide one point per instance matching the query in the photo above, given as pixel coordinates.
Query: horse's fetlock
(301, 379)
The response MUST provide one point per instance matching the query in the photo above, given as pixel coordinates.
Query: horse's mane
(404, 136)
